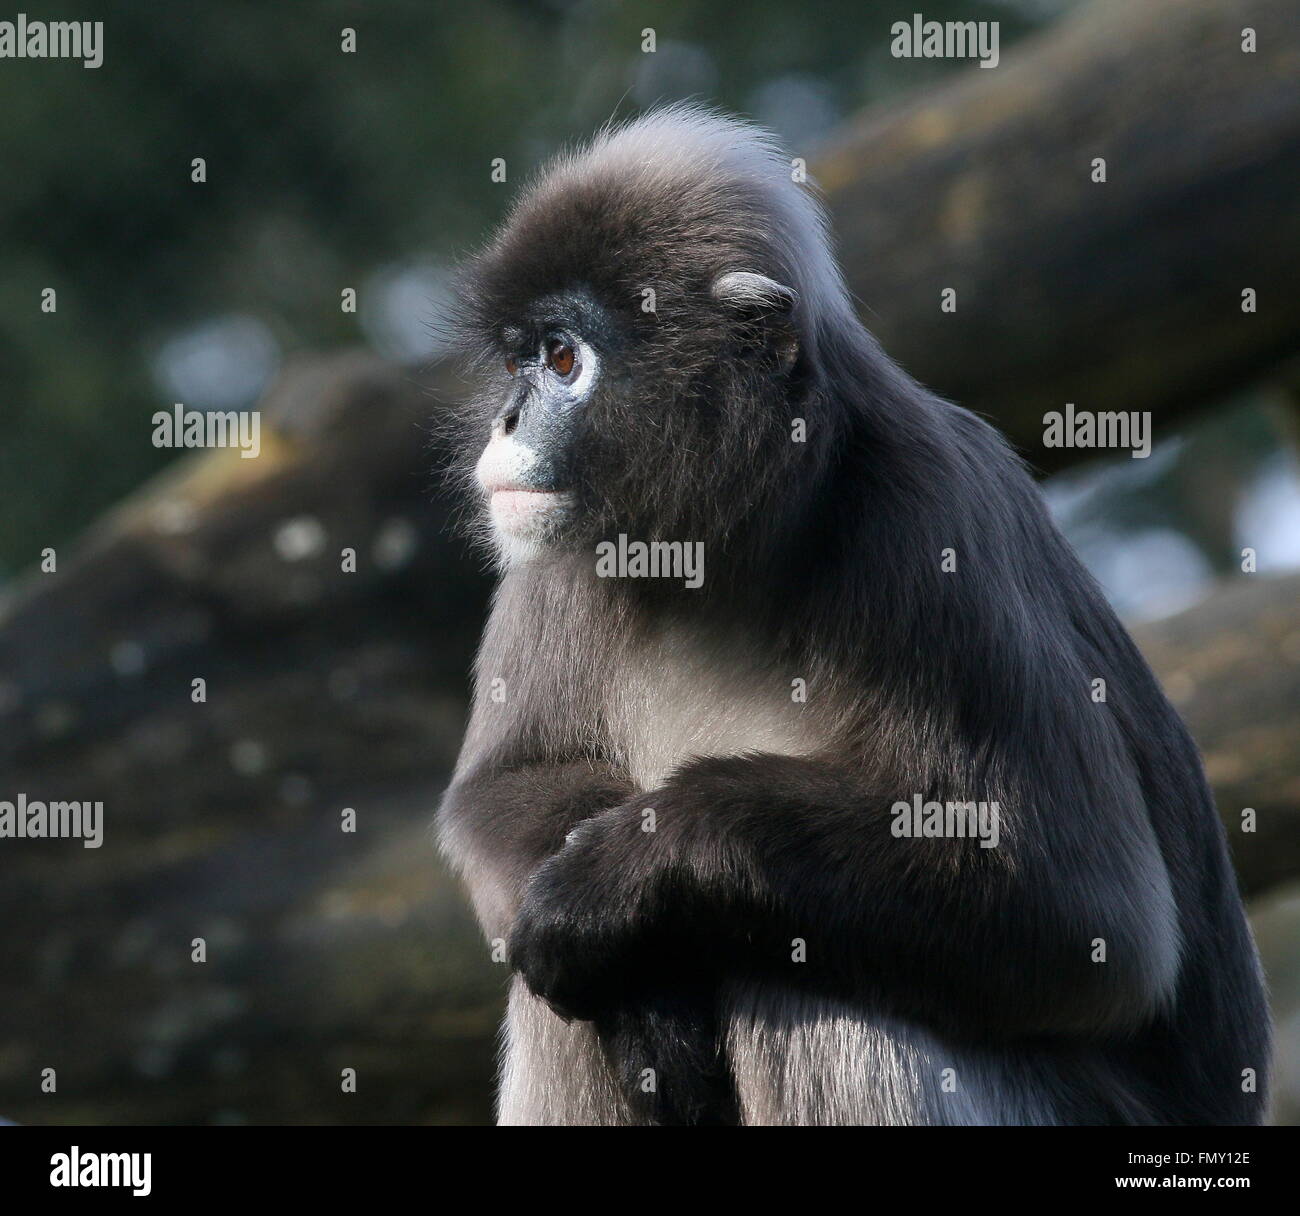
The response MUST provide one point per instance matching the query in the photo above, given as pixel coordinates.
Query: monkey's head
(647, 325)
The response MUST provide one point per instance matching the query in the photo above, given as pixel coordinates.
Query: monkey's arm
(498, 824)
(751, 855)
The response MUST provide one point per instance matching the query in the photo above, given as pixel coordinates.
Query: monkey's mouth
(522, 511)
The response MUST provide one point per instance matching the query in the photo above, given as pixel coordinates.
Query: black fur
(826, 556)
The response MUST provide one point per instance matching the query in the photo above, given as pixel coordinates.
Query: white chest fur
(679, 698)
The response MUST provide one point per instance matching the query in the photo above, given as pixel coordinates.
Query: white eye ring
(560, 356)
(575, 387)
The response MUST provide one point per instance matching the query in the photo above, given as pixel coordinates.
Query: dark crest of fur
(689, 433)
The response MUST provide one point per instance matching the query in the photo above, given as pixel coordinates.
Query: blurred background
(329, 171)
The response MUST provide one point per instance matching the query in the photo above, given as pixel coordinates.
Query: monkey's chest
(678, 699)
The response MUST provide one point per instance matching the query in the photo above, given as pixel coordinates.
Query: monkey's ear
(764, 306)
(752, 294)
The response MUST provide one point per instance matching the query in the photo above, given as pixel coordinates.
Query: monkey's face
(530, 471)
(606, 420)
(648, 321)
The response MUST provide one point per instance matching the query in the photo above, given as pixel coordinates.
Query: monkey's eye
(560, 356)
(512, 365)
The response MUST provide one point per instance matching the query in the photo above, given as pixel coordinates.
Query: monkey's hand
(785, 869)
(602, 921)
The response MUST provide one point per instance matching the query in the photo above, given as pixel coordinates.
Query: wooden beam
(1122, 295)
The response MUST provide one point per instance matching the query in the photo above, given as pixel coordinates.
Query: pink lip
(518, 503)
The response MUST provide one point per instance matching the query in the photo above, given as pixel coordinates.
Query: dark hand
(593, 931)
